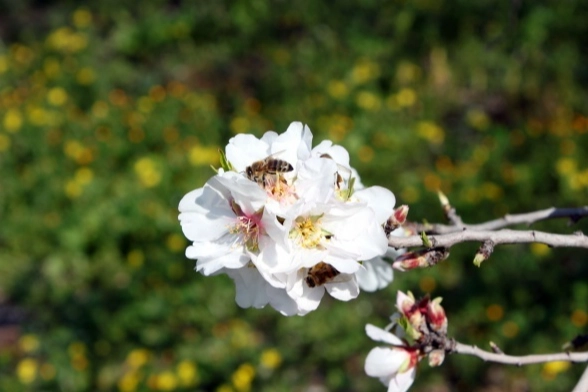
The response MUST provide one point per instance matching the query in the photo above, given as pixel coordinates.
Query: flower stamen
(307, 231)
(248, 228)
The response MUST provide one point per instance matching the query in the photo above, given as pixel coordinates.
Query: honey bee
(320, 274)
(265, 171)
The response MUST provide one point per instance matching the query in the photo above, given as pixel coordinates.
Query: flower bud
(409, 260)
(420, 259)
(400, 214)
(405, 303)
(436, 316)
(436, 357)
(397, 219)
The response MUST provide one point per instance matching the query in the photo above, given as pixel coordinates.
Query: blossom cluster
(289, 222)
(420, 329)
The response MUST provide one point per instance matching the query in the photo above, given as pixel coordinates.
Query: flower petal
(380, 335)
(208, 266)
(379, 199)
(343, 291)
(384, 362)
(244, 149)
(375, 274)
(402, 381)
(250, 287)
(280, 301)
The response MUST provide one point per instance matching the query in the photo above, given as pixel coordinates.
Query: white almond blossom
(394, 365)
(288, 222)
(224, 221)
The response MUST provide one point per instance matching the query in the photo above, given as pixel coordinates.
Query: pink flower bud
(436, 316)
(436, 357)
(410, 260)
(397, 219)
(405, 303)
(400, 214)
(420, 259)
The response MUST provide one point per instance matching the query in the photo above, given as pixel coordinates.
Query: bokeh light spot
(494, 312)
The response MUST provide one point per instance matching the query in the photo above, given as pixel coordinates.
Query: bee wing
(341, 278)
(275, 154)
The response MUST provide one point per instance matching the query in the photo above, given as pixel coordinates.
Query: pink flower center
(247, 227)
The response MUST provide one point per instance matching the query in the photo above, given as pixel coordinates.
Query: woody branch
(573, 214)
(500, 237)
(498, 357)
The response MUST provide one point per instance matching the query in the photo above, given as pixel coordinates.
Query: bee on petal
(266, 171)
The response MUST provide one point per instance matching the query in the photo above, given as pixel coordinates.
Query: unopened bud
(495, 348)
(397, 219)
(484, 252)
(444, 202)
(436, 316)
(417, 321)
(400, 214)
(442, 199)
(405, 302)
(408, 261)
(436, 357)
(420, 259)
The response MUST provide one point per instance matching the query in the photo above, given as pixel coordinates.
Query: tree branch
(574, 214)
(488, 356)
(505, 236)
(582, 384)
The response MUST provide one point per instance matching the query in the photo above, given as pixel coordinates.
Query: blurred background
(111, 111)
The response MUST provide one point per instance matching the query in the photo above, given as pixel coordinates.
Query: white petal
(380, 335)
(209, 266)
(310, 300)
(269, 137)
(338, 153)
(305, 146)
(200, 227)
(277, 232)
(285, 146)
(384, 362)
(250, 287)
(343, 264)
(343, 291)
(402, 381)
(372, 242)
(212, 197)
(316, 179)
(280, 301)
(206, 212)
(375, 274)
(379, 199)
(358, 184)
(244, 149)
(247, 194)
(272, 257)
(188, 202)
(276, 280)
(307, 258)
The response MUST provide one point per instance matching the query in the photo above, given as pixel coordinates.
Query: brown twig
(574, 214)
(489, 356)
(500, 237)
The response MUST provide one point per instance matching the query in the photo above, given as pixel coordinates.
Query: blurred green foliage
(110, 112)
